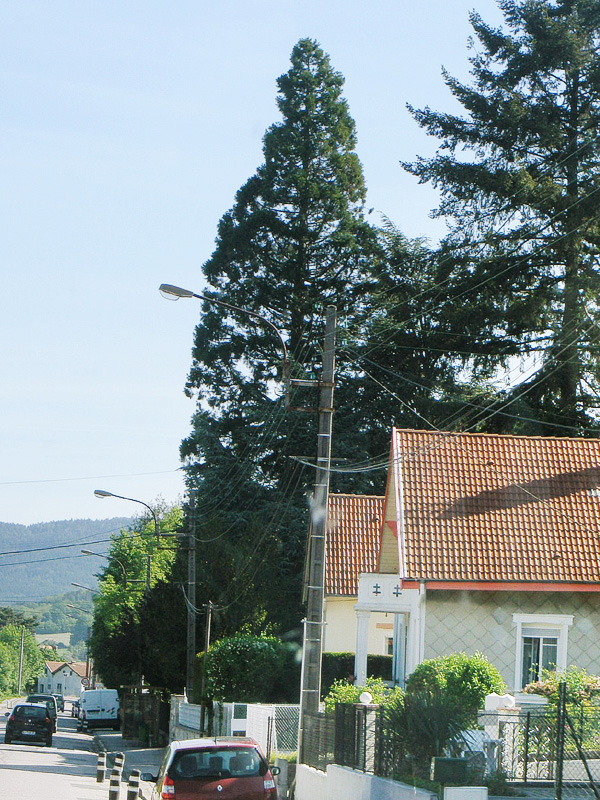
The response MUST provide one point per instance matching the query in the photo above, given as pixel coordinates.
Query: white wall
(342, 783)
(340, 630)
(69, 682)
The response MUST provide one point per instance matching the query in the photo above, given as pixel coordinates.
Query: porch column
(399, 654)
(362, 642)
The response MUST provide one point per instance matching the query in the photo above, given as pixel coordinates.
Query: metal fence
(549, 752)
(275, 727)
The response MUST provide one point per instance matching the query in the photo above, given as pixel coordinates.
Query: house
(488, 543)
(352, 547)
(61, 677)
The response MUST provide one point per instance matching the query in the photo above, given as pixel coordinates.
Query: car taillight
(270, 788)
(48, 720)
(11, 718)
(168, 789)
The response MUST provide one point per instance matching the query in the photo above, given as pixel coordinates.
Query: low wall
(340, 783)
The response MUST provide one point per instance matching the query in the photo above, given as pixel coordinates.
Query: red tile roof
(482, 507)
(54, 666)
(352, 541)
(78, 667)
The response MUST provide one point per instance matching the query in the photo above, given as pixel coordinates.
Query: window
(541, 644)
(540, 652)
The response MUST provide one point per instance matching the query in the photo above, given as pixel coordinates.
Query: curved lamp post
(175, 292)
(102, 493)
(111, 558)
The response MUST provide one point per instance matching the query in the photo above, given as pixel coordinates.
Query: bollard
(119, 761)
(101, 768)
(133, 787)
(114, 789)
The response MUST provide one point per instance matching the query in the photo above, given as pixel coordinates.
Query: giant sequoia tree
(519, 176)
(294, 241)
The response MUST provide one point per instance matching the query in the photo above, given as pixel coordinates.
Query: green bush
(581, 687)
(466, 680)
(340, 667)
(345, 692)
(251, 669)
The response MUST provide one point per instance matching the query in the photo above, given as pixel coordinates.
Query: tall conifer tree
(519, 176)
(294, 241)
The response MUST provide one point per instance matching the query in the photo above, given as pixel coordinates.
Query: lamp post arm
(176, 291)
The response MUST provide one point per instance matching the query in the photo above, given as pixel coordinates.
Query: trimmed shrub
(250, 669)
(340, 667)
(464, 679)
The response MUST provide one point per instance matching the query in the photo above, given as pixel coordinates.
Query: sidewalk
(137, 756)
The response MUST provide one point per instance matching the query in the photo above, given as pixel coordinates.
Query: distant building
(62, 677)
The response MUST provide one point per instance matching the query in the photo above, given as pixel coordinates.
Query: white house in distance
(61, 677)
(487, 543)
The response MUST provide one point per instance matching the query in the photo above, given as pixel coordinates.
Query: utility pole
(310, 690)
(21, 660)
(209, 607)
(191, 602)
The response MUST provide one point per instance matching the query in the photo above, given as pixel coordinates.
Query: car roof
(29, 705)
(209, 742)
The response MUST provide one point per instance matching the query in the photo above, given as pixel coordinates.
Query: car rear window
(29, 712)
(243, 762)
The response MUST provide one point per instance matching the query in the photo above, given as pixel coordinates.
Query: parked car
(29, 722)
(221, 767)
(99, 708)
(60, 701)
(50, 702)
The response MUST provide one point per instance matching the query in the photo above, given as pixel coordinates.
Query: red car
(223, 768)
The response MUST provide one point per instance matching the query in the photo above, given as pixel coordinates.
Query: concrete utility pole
(209, 607)
(21, 660)
(191, 603)
(310, 691)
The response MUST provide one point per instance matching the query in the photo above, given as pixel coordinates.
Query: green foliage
(10, 650)
(295, 240)
(421, 724)
(123, 649)
(9, 616)
(518, 173)
(340, 666)
(247, 668)
(581, 687)
(344, 692)
(465, 679)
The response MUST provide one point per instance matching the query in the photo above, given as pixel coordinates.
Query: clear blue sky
(125, 130)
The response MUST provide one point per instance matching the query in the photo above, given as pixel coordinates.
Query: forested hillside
(40, 560)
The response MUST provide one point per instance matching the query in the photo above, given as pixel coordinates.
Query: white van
(99, 708)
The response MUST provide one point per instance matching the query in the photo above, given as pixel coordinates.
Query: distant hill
(29, 571)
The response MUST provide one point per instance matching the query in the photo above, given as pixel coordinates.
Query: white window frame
(555, 622)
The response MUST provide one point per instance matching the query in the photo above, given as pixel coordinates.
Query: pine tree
(519, 176)
(294, 241)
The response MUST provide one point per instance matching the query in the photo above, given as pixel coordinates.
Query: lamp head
(173, 292)
(102, 493)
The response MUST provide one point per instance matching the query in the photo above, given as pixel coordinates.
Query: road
(65, 771)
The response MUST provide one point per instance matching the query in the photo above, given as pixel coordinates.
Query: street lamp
(102, 493)
(112, 558)
(87, 588)
(175, 292)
